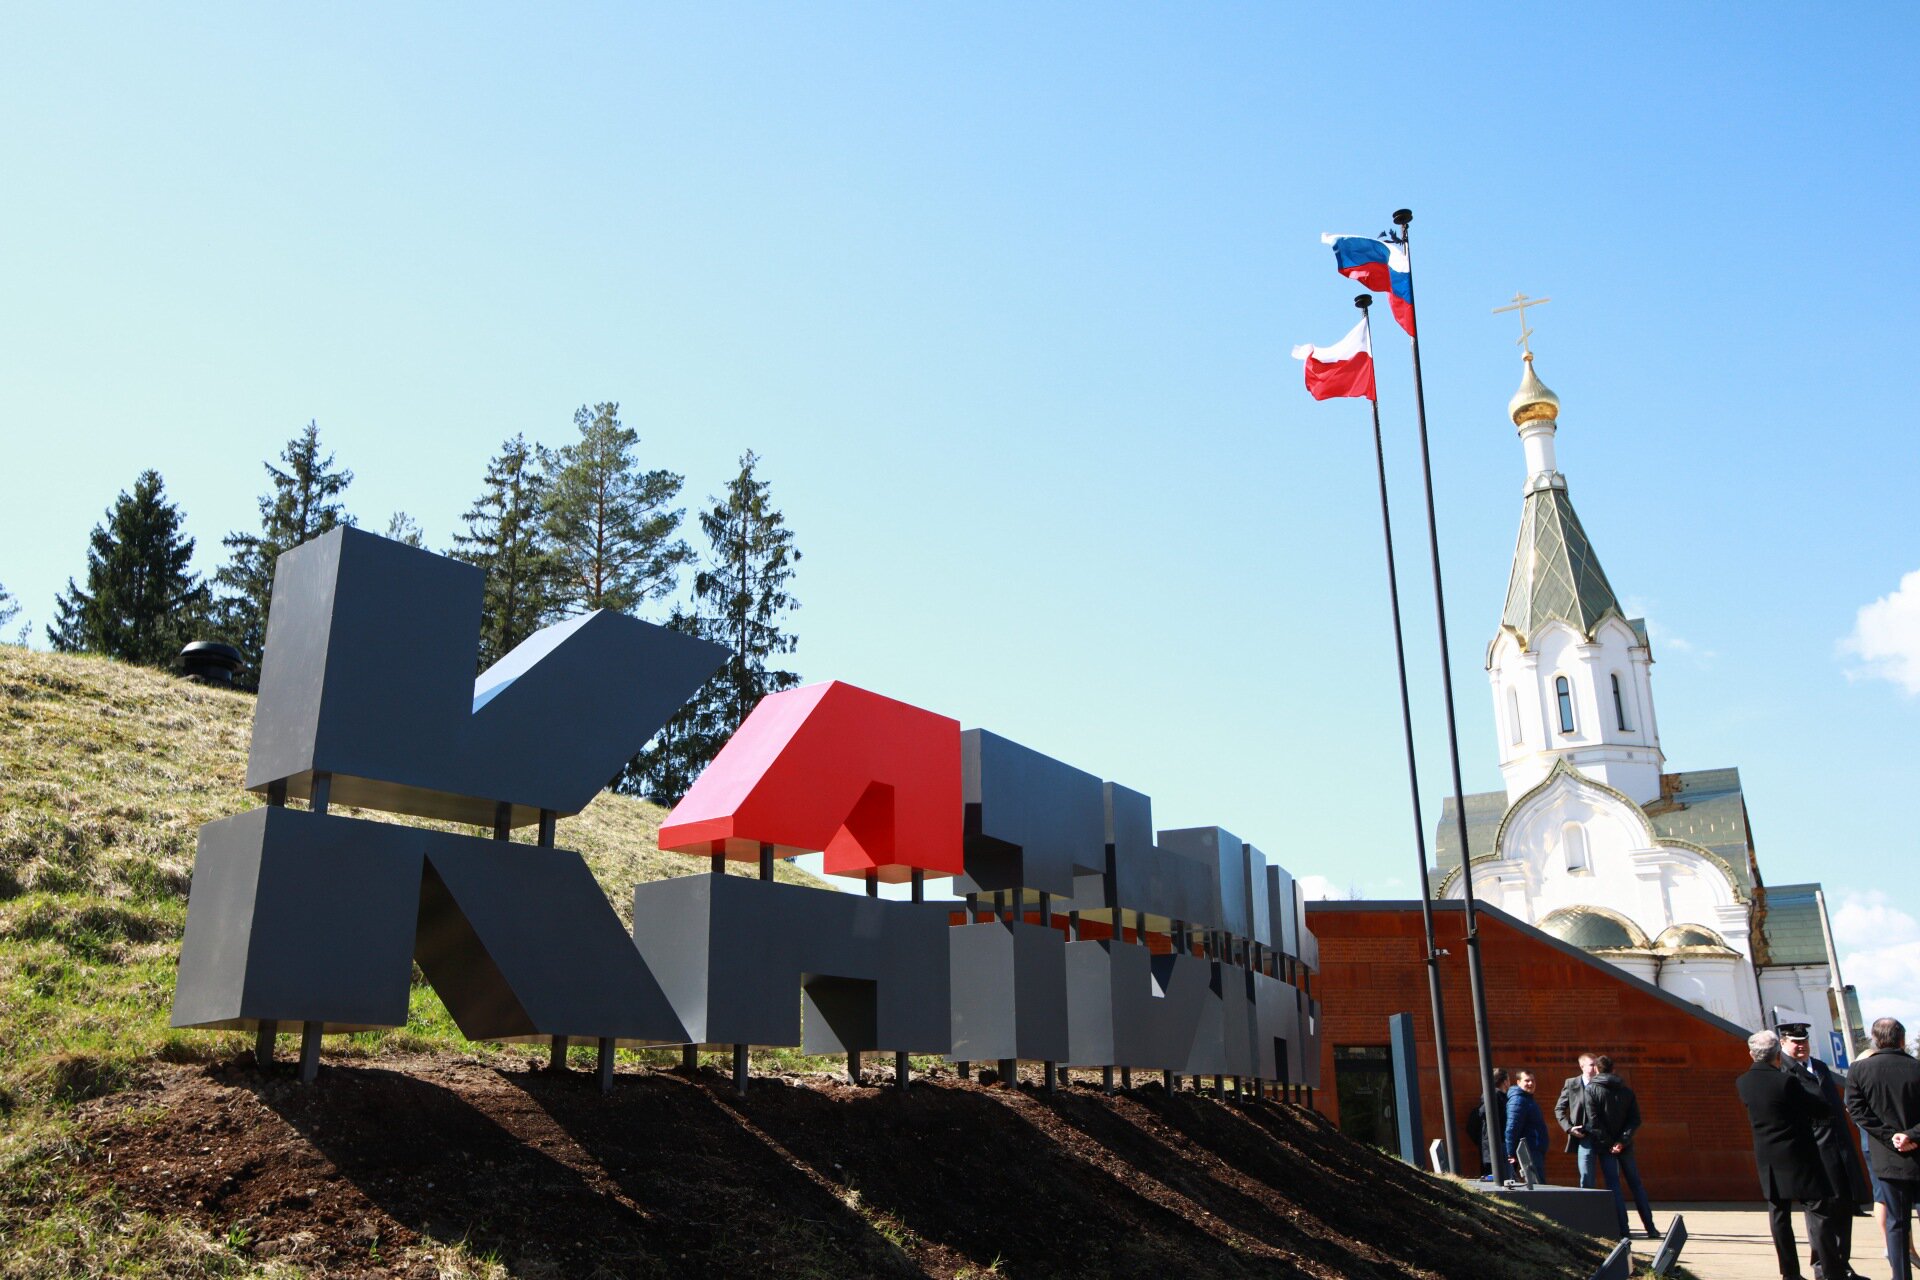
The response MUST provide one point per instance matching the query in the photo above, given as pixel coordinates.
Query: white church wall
(1715, 983)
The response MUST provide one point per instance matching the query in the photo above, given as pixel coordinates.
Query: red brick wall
(1544, 1008)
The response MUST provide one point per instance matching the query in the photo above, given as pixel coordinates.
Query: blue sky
(1003, 296)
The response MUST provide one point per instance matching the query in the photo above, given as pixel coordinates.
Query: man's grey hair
(1764, 1046)
(1889, 1034)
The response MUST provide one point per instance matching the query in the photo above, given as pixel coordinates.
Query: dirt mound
(673, 1176)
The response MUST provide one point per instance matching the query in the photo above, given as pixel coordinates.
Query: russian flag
(1343, 369)
(1380, 266)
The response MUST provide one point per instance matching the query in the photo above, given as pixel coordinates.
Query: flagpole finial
(1363, 301)
(1401, 217)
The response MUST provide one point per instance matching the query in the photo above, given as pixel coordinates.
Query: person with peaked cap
(1782, 1114)
(1883, 1097)
(1830, 1133)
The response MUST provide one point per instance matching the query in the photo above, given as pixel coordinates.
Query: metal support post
(766, 862)
(606, 1064)
(549, 820)
(320, 793)
(1106, 1079)
(690, 1058)
(902, 1072)
(309, 1051)
(263, 1044)
(1051, 1076)
(1126, 1078)
(740, 1070)
(853, 1066)
(502, 820)
(1009, 1072)
(557, 1054)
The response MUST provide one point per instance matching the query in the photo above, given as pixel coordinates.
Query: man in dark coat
(1613, 1117)
(1570, 1113)
(1477, 1119)
(1883, 1097)
(1830, 1133)
(1782, 1114)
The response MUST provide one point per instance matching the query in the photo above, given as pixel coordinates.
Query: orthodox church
(1593, 840)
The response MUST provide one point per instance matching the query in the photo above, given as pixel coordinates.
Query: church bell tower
(1571, 675)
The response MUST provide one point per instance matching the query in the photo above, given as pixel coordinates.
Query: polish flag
(1343, 369)
(1382, 267)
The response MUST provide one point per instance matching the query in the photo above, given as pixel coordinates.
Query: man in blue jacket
(1526, 1123)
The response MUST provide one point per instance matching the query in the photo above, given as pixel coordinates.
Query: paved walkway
(1730, 1242)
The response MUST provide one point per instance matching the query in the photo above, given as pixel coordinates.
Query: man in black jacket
(1883, 1097)
(1830, 1134)
(1613, 1116)
(1782, 1114)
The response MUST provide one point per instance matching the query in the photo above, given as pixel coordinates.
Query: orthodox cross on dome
(1520, 303)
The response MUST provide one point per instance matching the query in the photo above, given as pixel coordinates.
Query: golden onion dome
(1533, 402)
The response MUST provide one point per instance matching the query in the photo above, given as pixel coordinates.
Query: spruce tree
(140, 603)
(505, 537)
(402, 527)
(612, 527)
(740, 601)
(9, 607)
(300, 503)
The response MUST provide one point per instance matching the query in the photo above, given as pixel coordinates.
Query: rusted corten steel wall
(1547, 1003)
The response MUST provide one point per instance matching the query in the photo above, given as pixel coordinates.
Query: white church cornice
(1654, 841)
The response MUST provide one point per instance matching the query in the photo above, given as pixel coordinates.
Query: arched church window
(1565, 693)
(1573, 840)
(1619, 704)
(1513, 716)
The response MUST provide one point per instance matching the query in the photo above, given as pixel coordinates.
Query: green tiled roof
(1484, 811)
(1793, 932)
(1556, 574)
(1706, 807)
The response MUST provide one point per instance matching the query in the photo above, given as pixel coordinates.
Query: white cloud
(1886, 637)
(1321, 889)
(1663, 639)
(1879, 945)
(1869, 919)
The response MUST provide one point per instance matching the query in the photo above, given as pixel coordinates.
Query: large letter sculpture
(875, 785)
(1085, 940)
(367, 698)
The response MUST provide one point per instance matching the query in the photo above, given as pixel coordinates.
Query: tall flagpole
(1364, 301)
(1476, 978)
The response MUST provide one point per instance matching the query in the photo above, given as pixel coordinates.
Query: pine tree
(740, 601)
(612, 526)
(140, 603)
(299, 504)
(506, 538)
(9, 607)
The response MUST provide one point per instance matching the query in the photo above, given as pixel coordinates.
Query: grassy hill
(127, 1148)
